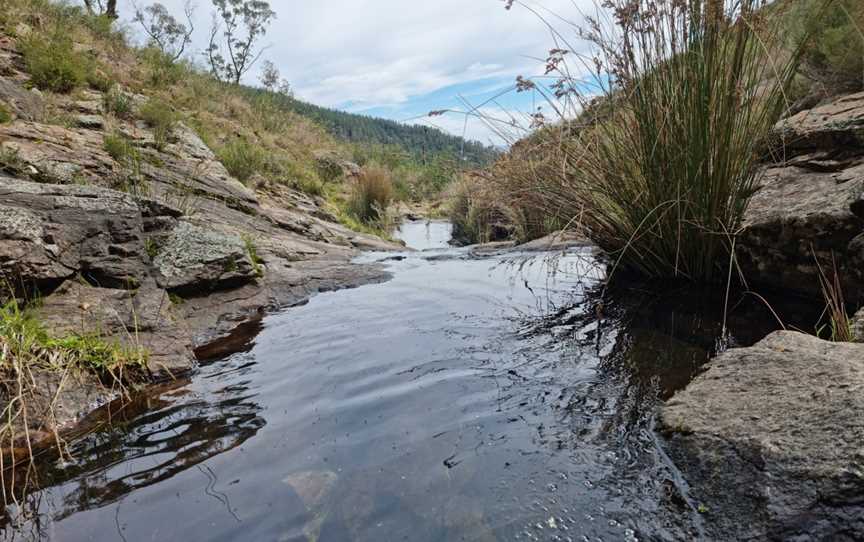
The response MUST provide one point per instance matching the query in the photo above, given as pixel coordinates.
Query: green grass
(29, 345)
(252, 253)
(161, 118)
(120, 148)
(117, 103)
(243, 159)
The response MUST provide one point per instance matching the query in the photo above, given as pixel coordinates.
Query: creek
(477, 395)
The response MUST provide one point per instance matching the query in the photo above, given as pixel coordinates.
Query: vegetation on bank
(29, 355)
(659, 164)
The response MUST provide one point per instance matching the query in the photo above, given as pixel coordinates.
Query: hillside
(421, 142)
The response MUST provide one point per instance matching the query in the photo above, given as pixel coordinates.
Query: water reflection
(475, 398)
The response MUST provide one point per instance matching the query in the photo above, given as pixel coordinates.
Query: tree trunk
(111, 10)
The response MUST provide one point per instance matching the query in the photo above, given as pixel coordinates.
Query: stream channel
(477, 395)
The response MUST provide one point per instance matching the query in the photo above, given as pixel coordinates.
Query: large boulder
(811, 203)
(49, 233)
(195, 259)
(770, 437)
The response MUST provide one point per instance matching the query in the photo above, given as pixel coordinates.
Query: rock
(769, 440)
(197, 259)
(558, 241)
(26, 105)
(811, 204)
(858, 327)
(49, 233)
(90, 122)
(313, 487)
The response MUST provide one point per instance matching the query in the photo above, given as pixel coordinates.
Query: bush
(161, 118)
(98, 80)
(52, 64)
(371, 194)
(242, 159)
(162, 70)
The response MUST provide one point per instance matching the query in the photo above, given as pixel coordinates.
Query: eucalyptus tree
(238, 26)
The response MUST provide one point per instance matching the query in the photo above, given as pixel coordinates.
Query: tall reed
(678, 110)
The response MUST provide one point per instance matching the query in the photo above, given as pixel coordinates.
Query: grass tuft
(661, 163)
(243, 159)
(371, 194)
(161, 118)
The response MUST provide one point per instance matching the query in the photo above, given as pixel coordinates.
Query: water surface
(468, 398)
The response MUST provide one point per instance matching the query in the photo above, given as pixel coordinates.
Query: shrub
(161, 70)
(161, 118)
(371, 194)
(242, 159)
(52, 64)
(98, 80)
(5, 114)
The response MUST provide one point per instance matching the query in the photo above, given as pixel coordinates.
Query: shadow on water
(469, 398)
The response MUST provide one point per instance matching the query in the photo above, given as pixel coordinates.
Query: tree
(270, 76)
(241, 24)
(96, 7)
(272, 80)
(164, 31)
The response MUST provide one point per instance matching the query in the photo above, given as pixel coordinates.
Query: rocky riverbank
(769, 437)
(171, 255)
(811, 203)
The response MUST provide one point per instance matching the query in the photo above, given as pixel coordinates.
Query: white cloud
(384, 53)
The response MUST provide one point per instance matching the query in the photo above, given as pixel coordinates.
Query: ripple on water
(466, 398)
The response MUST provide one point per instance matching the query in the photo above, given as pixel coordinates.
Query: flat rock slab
(771, 440)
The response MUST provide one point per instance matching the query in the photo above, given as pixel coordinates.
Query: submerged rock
(769, 439)
(811, 203)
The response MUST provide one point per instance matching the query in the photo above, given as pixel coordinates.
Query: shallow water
(468, 398)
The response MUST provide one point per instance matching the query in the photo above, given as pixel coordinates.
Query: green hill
(422, 142)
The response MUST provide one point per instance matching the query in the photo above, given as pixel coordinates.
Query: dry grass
(371, 194)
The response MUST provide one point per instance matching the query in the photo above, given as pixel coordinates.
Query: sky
(401, 59)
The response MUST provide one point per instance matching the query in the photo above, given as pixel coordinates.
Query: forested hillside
(420, 141)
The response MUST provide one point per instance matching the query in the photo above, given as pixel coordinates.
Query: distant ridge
(419, 141)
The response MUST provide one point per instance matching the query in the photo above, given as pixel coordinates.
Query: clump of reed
(660, 163)
(371, 194)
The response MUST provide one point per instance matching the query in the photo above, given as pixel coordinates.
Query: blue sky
(401, 59)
